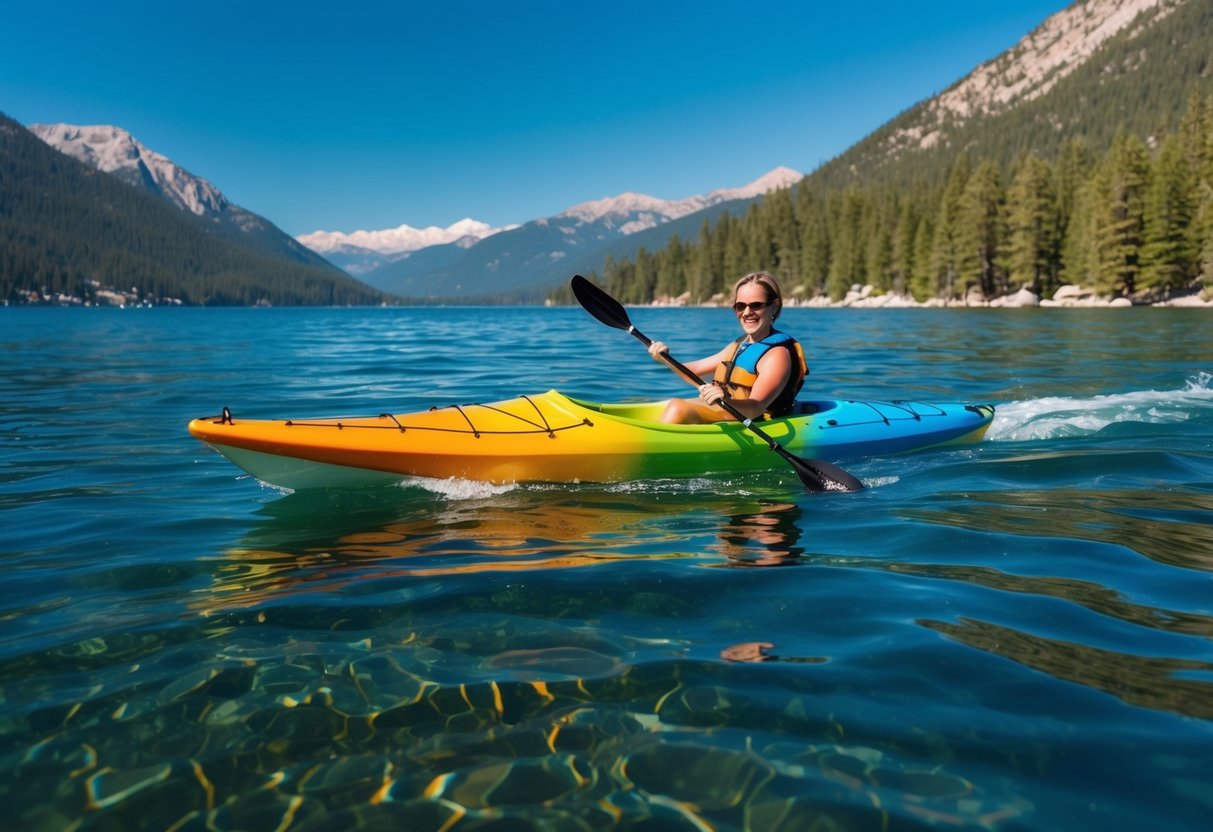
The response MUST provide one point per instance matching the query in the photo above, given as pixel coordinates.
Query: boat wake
(1059, 416)
(457, 489)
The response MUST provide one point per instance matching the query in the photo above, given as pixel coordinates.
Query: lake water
(1013, 635)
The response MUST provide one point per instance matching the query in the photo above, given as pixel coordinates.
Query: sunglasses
(754, 306)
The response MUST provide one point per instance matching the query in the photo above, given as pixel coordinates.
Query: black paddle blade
(819, 475)
(599, 304)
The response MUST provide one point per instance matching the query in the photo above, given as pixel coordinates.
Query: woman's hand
(710, 394)
(656, 349)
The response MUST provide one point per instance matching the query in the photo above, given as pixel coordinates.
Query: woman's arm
(703, 367)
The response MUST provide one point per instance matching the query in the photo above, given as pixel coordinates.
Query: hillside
(1083, 155)
(1095, 69)
(114, 151)
(72, 232)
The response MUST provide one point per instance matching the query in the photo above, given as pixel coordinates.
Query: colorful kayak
(553, 438)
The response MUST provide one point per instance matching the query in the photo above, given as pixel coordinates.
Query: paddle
(816, 474)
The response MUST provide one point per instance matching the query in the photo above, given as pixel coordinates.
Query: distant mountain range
(1095, 68)
(468, 261)
(362, 251)
(523, 263)
(109, 221)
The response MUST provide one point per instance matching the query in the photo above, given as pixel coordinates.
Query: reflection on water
(1167, 526)
(1097, 598)
(295, 553)
(1150, 682)
(766, 535)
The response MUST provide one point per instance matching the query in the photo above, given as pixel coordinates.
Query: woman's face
(755, 322)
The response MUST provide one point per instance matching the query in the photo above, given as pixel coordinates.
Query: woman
(760, 373)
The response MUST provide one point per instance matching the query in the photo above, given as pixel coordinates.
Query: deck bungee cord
(359, 423)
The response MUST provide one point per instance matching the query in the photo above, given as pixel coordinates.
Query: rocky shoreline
(864, 297)
(1068, 296)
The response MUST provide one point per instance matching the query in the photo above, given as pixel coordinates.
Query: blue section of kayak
(850, 429)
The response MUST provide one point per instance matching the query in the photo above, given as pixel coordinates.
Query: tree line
(1133, 221)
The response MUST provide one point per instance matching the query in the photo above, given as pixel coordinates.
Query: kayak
(550, 437)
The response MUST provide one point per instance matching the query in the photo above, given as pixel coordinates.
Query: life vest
(737, 373)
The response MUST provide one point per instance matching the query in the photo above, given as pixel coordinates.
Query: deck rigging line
(531, 426)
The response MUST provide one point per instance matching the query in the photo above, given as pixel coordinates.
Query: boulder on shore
(1023, 298)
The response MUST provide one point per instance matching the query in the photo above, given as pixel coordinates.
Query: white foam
(1058, 416)
(880, 482)
(672, 486)
(457, 489)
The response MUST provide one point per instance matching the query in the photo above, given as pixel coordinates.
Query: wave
(458, 489)
(1058, 416)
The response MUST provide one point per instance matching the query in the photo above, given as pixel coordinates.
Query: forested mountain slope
(1098, 173)
(70, 233)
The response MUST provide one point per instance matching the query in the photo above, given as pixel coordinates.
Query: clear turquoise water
(1014, 635)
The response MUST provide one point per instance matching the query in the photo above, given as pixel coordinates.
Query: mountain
(115, 151)
(359, 252)
(1029, 71)
(72, 233)
(523, 263)
(1094, 69)
(1082, 155)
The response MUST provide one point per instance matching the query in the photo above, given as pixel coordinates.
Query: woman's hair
(769, 285)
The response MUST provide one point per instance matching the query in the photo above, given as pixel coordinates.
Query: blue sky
(367, 115)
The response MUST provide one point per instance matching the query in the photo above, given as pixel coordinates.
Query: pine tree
(907, 239)
(846, 249)
(644, 279)
(1196, 135)
(877, 230)
(1171, 249)
(814, 250)
(1033, 233)
(1120, 216)
(979, 232)
(944, 264)
(921, 282)
(737, 256)
(785, 236)
(671, 279)
(699, 266)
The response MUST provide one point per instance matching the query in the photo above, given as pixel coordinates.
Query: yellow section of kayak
(545, 437)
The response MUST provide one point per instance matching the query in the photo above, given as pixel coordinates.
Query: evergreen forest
(1133, 221)
(1106, 182)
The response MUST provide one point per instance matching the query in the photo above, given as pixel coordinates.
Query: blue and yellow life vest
(737, 373)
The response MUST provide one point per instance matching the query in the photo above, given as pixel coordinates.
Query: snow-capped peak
(115, 151)
(646, 211)
(625, 214)
(781, 177)
(400, 239)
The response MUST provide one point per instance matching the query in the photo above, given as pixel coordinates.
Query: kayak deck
(551, 437)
